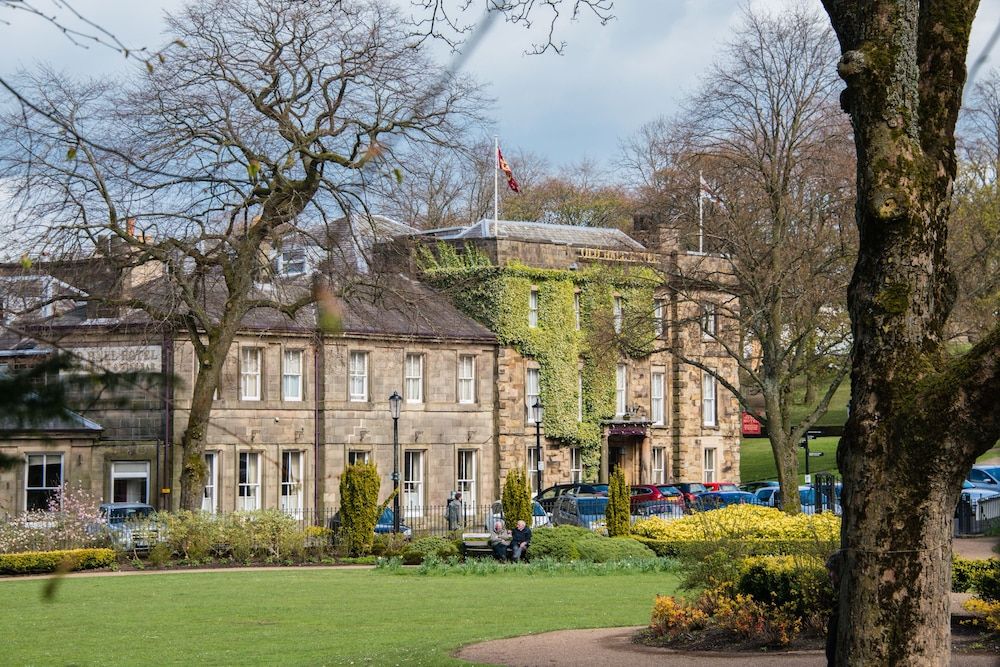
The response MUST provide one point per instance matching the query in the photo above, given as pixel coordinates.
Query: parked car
(383, 526)
(973, 493)
(712, 500)
(584, 511)
(985, 477)
(753, 487)
(666, 508)
(547, 497)
(132, 526)
(771, 496)
(690, 491)
(662, 494)
(721, 486)
(539, 516)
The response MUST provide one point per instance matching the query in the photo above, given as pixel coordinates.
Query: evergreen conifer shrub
(516, 498)
(617, 511)
(359, 507)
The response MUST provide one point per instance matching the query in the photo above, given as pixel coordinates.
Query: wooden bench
(476, 545)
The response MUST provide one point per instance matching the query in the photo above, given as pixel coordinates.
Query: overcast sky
(564, 108)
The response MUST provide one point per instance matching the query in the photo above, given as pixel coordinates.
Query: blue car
(382, 527)
(713, 500)
(584, 511)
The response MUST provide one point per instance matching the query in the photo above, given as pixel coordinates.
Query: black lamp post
(395, 402)
(536, 411)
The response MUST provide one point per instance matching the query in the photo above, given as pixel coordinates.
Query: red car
(721, 486)
(640, 493)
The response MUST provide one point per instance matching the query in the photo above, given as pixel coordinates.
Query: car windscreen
(669, 490)
(697, 488)
(592, 505)
(123, 514)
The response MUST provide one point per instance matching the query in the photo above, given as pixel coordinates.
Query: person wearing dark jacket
(521, 538)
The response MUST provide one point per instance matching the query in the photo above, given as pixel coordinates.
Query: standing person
(500, 539)
(454, 513)
(521, 536)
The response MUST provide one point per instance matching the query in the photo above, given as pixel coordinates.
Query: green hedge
(419, 550)
(571, 543)
(681, 548)
(799, 585)
(976, 575)
(32, 562)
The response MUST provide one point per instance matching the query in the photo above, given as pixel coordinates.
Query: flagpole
(496, 182)
(701, 213)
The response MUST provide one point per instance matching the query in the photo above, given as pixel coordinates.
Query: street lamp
(536, 411)
(395, 402)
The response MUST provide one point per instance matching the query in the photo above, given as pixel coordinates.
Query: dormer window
(292, 262)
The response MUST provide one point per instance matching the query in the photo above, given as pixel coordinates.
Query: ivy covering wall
(498, 297)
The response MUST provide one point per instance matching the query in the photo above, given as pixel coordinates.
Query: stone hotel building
(585, 321)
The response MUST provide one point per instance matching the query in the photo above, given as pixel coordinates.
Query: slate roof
(543, 232)
(66, 422)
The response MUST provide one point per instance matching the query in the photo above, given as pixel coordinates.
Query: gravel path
(613, 646)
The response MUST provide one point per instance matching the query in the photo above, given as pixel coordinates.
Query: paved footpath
(613, 646)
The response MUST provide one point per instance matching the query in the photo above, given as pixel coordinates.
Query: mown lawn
(757, 461)
(303, 617)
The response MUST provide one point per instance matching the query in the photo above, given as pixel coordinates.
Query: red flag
(505, 168)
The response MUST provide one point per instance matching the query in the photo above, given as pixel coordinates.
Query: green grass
(836, 415)
(303, 617)
(757, 461)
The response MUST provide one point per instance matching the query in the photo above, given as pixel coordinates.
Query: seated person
(500, 540)
(521, 536)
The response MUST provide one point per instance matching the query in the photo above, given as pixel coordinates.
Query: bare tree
(447, 186)
(275, 114)
(775, 154)
(974, 227)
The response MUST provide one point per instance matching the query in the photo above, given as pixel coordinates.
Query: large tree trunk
(918, 419)
(193, 470)
(783, 447)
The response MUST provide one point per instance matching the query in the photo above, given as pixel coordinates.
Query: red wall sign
(750, 425)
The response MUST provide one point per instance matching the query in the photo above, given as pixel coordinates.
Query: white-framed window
(709, 408)
(532, 392)
(533, 470)
(659, 465)
(709, 319)
(466, 479)
(43, 479)
(291, 483)
(248, 482)
(356, 456)
(658, 313)
(621, 389)
(413, 377)
(210, 497)
(413, 483)
(130, 481)
(619, 314)
(657, 401)
(709, 466)
(292, 261)
(576, 309)
(533, 308)
(466, 378)
(291, 376)
(250, 373)
(358, 376)
(575, 465)
(579, 396)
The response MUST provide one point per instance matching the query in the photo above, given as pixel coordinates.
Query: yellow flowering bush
(742, 522)
(989, 611)
(671, 617)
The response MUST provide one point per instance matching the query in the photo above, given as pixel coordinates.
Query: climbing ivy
(498, 297)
